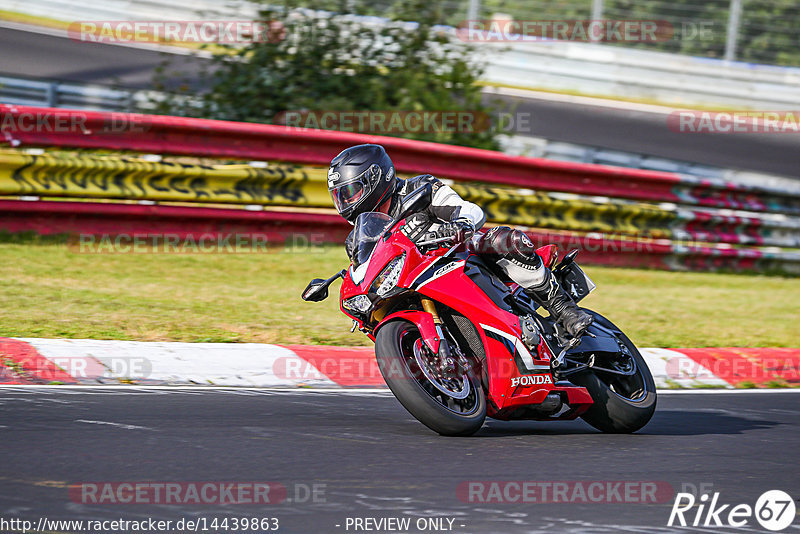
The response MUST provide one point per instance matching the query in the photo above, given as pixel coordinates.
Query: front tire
(447, 416)
(619, 407)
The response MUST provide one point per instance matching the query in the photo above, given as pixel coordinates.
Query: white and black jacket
(446, 206)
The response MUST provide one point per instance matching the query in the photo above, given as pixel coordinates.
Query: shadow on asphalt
(664, 423)
(686, 423)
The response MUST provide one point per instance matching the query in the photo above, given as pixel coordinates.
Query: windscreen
(369, 228)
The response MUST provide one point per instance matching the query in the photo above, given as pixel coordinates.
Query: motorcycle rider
(362, 179)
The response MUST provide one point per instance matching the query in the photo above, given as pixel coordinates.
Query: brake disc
(420, 357)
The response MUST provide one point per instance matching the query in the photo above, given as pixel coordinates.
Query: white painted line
(110, 423)
(32, 28)
(705, 391)
(621, 105)
(204, 364)
(607, 103)
(153, 47)
(198, 389)
(65, 388)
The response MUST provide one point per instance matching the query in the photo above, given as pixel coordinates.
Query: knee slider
(511, 244)
(519, 249)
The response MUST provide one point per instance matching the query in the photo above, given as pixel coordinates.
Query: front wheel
(449, 405)
(622, 404)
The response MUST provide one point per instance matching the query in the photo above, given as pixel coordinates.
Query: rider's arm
(447, 209)
(448, 206)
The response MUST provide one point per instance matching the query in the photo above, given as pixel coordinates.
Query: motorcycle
(456, 341)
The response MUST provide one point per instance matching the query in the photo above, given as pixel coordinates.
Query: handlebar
(435, 241)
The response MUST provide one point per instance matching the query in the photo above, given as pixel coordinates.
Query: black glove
(460, 230)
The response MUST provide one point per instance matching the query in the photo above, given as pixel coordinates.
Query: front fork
(451, 365)
(430, 307)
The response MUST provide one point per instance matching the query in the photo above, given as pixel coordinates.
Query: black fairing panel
(604, 341)
(487, 280)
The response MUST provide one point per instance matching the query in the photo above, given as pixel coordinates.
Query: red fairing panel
(517, 376)
(509, 386)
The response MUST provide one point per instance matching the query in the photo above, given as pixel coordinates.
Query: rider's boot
(518, 259)
(560, 305)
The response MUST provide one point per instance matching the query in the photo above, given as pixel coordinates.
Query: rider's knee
(510, 243)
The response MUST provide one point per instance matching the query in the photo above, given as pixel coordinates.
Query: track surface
(40, 55)
(51, 57)
(374, 459)
(647, 133)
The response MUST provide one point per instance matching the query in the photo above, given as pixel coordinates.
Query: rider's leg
(518, 259)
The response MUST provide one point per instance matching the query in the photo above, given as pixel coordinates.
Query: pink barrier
(307, 229)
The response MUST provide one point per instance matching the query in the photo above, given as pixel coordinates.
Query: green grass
(49, 290)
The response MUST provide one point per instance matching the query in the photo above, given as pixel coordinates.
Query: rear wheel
(622, 403)
(450, 404)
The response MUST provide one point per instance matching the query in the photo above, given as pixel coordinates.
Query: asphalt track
(51, 57)
(41, 55)
(371, 459)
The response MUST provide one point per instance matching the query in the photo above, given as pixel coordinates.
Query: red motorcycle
(456, 341)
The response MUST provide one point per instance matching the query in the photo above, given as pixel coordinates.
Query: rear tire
(613, 412)
(391, 351)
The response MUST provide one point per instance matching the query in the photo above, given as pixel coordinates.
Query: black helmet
(360, 179)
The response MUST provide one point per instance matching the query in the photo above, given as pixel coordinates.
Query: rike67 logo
(774, 510)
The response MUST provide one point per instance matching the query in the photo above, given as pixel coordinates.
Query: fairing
(517, 376)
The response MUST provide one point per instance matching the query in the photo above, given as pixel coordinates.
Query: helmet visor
(354, 191)
(348, 195)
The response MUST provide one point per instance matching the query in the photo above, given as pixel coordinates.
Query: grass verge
(48, 290)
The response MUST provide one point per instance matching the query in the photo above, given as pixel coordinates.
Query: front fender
(422, 320)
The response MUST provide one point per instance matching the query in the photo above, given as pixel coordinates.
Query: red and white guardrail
(709, 232)
(159, 134)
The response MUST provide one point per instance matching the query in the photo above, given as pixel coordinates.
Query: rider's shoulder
(418, 181)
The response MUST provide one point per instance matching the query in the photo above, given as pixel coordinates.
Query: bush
(323, 60)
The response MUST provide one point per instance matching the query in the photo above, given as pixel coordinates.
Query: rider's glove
(460, 230)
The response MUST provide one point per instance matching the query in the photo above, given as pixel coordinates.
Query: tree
(339, 61)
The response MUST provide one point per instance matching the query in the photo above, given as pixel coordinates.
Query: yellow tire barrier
(286, 184)
(88, 176)
(568, 212)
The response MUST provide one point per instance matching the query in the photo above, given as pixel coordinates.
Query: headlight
(388, 277)
(359, 304)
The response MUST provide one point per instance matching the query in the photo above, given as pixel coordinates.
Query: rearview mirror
(317, 289)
